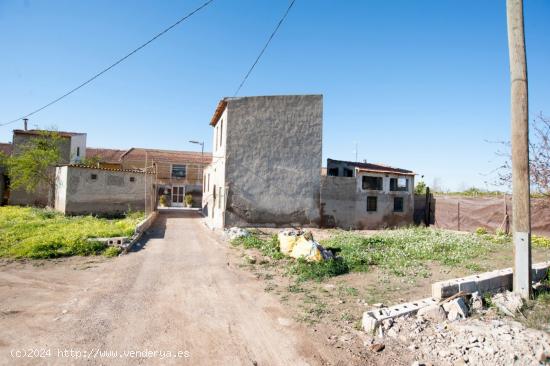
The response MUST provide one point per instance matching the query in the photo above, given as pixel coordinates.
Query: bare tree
(539, 158)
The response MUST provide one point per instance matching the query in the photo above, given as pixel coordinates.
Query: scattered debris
(236, 232)
(373, 318)
(472, 341)
(300, 244)
(456, 309)
(434, 312)
(377, 347)
(510, 303)
(476, 302)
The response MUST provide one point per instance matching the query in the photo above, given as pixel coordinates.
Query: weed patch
(268, 247)
(405, 251)
(37, 233)
(112, 251)
(317, 270)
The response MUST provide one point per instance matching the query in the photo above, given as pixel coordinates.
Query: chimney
(25, 120)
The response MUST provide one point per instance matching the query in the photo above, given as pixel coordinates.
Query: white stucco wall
(111, 192)
(214, 204)
(78, 142)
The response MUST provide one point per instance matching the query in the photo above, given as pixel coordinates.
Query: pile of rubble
(236, 232)
(441, 333)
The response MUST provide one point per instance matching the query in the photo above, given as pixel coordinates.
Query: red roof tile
(167, 156)
(105, 155)
(375, 168)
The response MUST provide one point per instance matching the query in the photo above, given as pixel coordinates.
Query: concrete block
(373, 318)
(433, 312)
(493, 281)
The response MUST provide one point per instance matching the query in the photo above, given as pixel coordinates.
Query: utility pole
(521, 208)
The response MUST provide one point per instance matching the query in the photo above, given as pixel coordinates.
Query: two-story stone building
(266, 162)
(366, 196)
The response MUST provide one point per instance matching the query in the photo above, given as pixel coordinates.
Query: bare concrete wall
(344, 204)
(272, 160)
(110, 193)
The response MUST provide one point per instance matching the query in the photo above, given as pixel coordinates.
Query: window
(348, 172)
(398, 204)
(179, 171)
(78, 151)
(132, 179)
(372, 203)
(399, 184)
(93, 176)
(208, 183)
(220, 197)
(333, 172)
(372, 183)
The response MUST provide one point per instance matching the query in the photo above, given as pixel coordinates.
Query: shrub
(481, 231)
(112, 251)
(318, 271)
(540, 241)
(500, 232)
(188, 199)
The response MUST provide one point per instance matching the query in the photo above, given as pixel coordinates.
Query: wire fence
(492, 213)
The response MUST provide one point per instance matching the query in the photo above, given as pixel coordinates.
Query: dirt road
(180, 295)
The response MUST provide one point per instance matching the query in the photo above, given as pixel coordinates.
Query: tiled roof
(38, 132)
(6, 148)
(375, 168)
(105, 155)
(167, 156)
(219, 111)
(101, 168)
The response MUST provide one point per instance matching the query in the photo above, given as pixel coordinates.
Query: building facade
(177, 173)
(72, 148)
(100, 191)
(266, 162)
(366, 196)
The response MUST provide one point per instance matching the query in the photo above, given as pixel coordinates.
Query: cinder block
(493, 281)
(373, 318)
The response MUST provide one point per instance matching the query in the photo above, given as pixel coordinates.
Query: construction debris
(300, 244)
(510, 303)
(236, 232)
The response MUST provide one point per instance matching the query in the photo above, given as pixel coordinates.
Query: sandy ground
(180, 294)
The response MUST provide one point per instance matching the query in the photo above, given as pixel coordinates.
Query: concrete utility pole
(521, 208)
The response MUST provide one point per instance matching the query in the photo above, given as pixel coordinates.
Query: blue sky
(417, 84)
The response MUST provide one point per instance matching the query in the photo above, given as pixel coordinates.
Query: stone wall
(99, 191)
(272, 160)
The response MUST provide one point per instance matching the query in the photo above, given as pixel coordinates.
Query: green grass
(317, 270)
(406, 251)
(540, 241)
(399, 252)
(269, 248)
(112, 251)
(37, 233)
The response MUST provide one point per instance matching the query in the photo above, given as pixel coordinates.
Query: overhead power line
(265, 47)
(112, 65)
